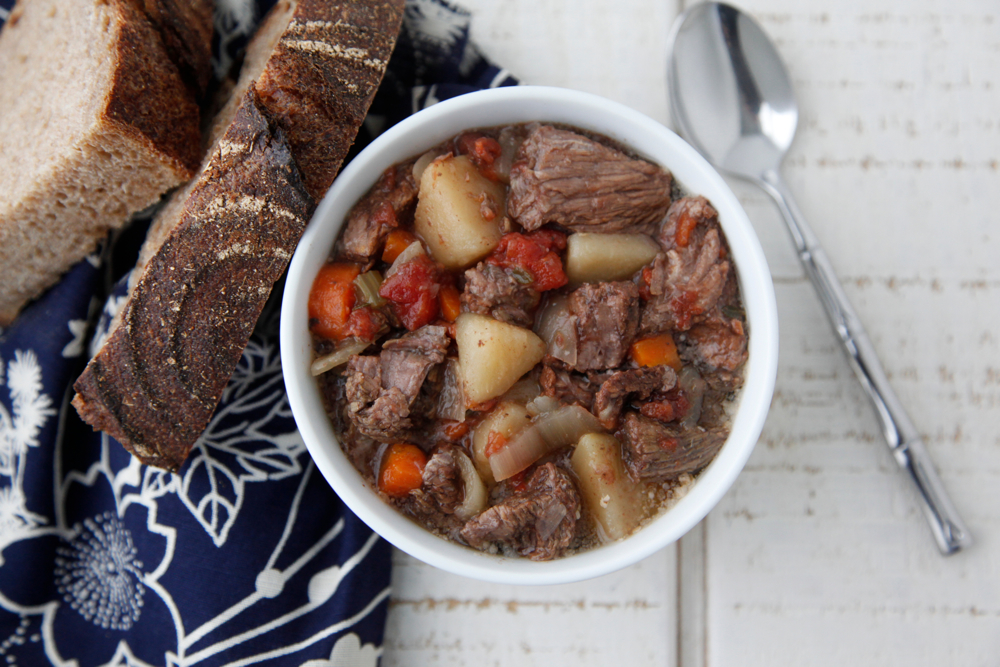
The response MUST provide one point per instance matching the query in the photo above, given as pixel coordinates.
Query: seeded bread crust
(154, 384)
(96, 123)
(219, 245)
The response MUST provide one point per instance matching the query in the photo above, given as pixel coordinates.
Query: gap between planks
(692, 598)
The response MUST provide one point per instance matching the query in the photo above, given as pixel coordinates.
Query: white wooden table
(819, 554)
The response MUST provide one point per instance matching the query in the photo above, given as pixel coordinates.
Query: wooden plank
(819, 555)
(625, 618)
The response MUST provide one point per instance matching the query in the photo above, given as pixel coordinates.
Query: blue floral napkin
(243, 557)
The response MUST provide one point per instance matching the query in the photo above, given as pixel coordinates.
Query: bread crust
(155, 382)
(185, 28)
(148, 97)
(321, 78)
(139, 139)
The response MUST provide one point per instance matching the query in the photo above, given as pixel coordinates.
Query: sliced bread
(218, 246)
(96, 123)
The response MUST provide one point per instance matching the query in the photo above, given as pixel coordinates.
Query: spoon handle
(901, 435)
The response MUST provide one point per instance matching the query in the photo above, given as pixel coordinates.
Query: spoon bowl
(732, 99)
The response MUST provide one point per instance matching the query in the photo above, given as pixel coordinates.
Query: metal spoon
(732, 99)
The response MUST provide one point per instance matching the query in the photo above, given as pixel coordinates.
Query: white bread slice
(96, 123)
(219, 244)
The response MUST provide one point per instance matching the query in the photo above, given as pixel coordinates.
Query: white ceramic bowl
(504, 106)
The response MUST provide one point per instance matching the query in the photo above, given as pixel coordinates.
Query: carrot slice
(656, 351)
(396, 242)
(451, 302)
(402, 469)
(331, 299)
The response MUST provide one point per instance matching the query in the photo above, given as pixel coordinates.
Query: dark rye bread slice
(96, 123)
(185, 28)
(155, 383)
(313, 66)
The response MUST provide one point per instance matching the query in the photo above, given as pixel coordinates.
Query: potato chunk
(592, 258)
(504, 420)
(458, 212)
(612, 498)
(493, 355)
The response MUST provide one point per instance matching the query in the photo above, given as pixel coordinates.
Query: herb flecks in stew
(527, 341)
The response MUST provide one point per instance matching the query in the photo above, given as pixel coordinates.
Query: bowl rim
(639, 133)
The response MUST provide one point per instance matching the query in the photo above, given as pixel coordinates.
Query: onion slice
(409, 252)
(346, 349)
(547, 433)
(694, 388)
(541, 404)
(523, 391)
(557, 327)
(475, 491)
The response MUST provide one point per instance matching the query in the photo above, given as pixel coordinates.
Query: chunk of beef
(494, 291)
(389, 203)
(642, 382)
(360, 449)
(686, 281)
(563, 177)
(442, 479)
(607, 320)
(718, 347)
(538, 522)
(657, 452)
(423, 507)
(381, 391)
(683, 220)
(364, 381)
(567, 386)
(407, 360)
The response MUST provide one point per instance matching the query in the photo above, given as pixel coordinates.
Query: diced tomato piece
(362, 324)
(548, 272)
(495, 441)
(455, 431)
(685, 306)
(678, 402)
(550, 238)
(482, 151)
(646, 278)
(331, 300)
(413, 292)
(535, 253)
(519, 481)
(685, 226)
(660, 410)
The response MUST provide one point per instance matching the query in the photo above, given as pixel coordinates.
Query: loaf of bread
(220, 243)
(98, 118)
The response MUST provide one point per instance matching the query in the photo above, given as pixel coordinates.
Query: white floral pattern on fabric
(245, 556)
(19, 430)
(99, 575)
(349, 652)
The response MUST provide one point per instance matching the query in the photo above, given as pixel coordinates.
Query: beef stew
(528, 340)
